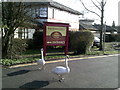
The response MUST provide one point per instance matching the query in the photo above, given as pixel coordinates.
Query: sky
(119, 14)
(110, 9)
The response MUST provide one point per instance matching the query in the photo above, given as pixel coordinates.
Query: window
(43, 12)
(33, 12)
(53, 13)
(23, 33)
(37, 13)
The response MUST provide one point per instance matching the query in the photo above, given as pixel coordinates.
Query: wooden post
(44, 40)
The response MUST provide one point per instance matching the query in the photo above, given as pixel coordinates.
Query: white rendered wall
(64, 17)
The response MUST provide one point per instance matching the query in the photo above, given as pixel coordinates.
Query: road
(96, 72)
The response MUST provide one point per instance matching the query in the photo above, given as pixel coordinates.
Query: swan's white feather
(60, 70)
(41, 62)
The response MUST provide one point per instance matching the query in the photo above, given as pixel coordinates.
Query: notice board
(55, 34)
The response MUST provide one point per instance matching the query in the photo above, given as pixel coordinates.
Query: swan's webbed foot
(61, 79)
(41, 68)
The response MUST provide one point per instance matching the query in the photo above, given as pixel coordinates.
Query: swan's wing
(40, 61)
(43, 61)
(59, 70)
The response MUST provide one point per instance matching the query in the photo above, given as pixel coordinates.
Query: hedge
(81, 41)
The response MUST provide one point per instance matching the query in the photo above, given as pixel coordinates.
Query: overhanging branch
(96, 5)
(105, 3)
(88, 9)
(98, 2)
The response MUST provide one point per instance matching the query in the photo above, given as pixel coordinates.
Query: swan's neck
(42, 55)
(66, 62)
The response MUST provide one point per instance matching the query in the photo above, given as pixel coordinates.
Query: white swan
(60, 70)
(41, 61)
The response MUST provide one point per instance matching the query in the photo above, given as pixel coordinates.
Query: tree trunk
(6, 44)
(101, 31)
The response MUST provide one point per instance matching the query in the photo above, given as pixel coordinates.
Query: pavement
(86, 72)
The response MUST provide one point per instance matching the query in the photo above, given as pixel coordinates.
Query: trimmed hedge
(81, 41)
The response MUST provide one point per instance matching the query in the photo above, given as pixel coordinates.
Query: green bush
(30, 43)
(118, 37)
(80, 41)
(38, 39)
(112, 37)
(18, 47)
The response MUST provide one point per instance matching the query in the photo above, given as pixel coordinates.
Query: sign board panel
(55, 34)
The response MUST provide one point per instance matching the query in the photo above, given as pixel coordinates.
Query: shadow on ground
(18, 72)
(35, 84)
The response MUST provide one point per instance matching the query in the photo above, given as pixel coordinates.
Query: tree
(113, 24)
(100, 6)
(14, 15)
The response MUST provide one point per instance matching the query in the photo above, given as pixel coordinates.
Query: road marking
(62, 60)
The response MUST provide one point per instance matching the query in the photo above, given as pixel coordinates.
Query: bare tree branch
(88, 9)
(104, 3)
(98, 2)
(96, 5)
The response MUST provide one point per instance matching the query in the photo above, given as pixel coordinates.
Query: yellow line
(62, 60)
(22, 65)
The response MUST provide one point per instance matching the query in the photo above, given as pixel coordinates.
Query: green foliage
(113, 24)
(31, 56)
(118, 37)
(18, 47)
(9, 62)
(14, 15)
(38, 39)
(81, 41)
(112, 37)
(30, 43)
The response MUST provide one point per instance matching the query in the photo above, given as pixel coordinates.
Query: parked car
(96, 42)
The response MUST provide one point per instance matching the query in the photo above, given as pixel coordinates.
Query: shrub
(30, 43)
(112, 37)
(18, 46)
(118, 37)
(38, 39)
(80, 41)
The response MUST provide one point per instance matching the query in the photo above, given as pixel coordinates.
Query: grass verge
(31, 56)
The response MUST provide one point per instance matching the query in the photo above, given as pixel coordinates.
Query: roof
(56, 5)
(86, 20)
(108, 28)
(87, 26)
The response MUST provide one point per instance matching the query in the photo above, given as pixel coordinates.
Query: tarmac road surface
(93, 72)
